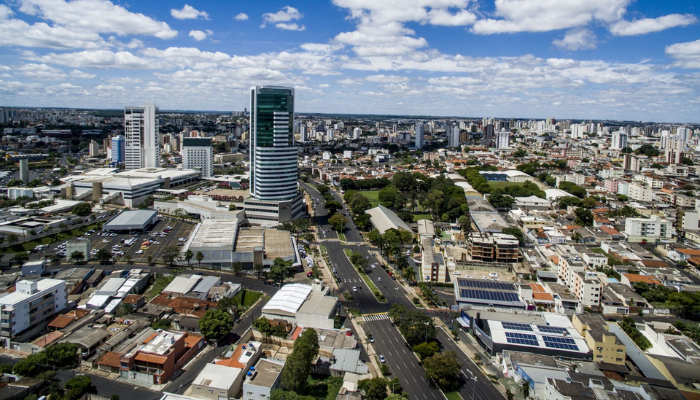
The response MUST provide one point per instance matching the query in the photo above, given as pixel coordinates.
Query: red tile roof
(111, 359)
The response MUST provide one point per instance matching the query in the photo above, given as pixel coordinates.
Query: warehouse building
(132, 220)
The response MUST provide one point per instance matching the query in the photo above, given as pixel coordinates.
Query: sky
(565, 59)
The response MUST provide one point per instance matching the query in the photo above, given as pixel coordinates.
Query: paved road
(325, 230)
(403, 363)
(107, 387)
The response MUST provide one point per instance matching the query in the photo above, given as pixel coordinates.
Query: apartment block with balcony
(159, 356)
(31, 307)
(648, 229)
(588, 288)
(640, 192)
(606, 346)
(496, 247)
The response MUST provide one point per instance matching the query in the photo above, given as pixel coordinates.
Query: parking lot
(135, 251)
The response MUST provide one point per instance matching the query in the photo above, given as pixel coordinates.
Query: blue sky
(582, 59)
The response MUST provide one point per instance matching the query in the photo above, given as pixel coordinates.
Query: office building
(118, 149)
(24, 170)
(452, 136)
(31, 306)
(198, 154)
(142, 146)
(619, 140)
(273, 157)
(419, 135)
(356, 133)
(503, 141)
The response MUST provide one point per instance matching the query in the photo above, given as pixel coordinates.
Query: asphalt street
(107, 387)
(325, 230)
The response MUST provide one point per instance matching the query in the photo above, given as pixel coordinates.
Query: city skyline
(616, 60)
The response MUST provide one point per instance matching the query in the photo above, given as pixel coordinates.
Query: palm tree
(410, 274)
(188, 256)
(199, 258)
(401, 262)
(526, 389)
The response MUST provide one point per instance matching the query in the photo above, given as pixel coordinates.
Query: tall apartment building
(419, 135)
(640, 192)
(648, 229)
(503, 140)
(619, 140)
(588, 288)
(93, 148)
(24, 170)
(273, 156)
(31, 306)
(197, 153)
(497, 247)
(606, 347)
(356, 133)
(118, 149)
(452, 136)
(142, 139)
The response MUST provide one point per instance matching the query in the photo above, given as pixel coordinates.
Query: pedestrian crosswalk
(375, 317)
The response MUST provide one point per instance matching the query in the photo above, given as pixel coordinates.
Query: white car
(105, 241)
(354, 288)
(379, 279)
(139, 252)
(374, 265)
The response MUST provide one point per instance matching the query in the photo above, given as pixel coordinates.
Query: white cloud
(386, 78)
(200, 35)
(349, 81)
(548, 15)
(687, 55)
(76, 73)
(576, 39)
(41, 72)
(241, 17)
(102, 59)
(290, 27)
(649, 25)
(323, 85)
(439, 16)
(188, 12)
(286, 14)
(96, 16)
(110, 88)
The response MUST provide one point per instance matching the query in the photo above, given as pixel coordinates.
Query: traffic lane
(392, 290)
(107, 387)
(484, 387)
(363, 299)
(403, 363)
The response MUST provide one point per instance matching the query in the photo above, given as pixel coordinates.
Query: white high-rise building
(452, 136)
(356, 133)
(683, 133)
(197, 153)
(31, 306)
(503, 140)
(303, 133)
(419, 135)
(273, 157)
(93, 149)
(142, 147)
(619, 140)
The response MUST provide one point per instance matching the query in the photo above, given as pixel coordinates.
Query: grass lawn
(416, 217)
(246, 298)
(597, 250)
(502, 185)
(453, 396)
(159, 284)
(372, 195)
(341, 236)
(370, 285)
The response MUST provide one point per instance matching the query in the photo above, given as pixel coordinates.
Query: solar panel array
(552, 329)
(486, 284)
(488, 295)
(560, 343)
(521, 338)
(516, 327)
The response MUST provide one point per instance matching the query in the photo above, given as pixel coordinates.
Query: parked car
(382, 359)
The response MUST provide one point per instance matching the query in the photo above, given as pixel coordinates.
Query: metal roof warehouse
(132, 220)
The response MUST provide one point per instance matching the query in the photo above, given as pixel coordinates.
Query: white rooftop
(182, 284)
(215, 233)
(288, 299)
(553, 194)
(217, 376)
(17, 296)
(161, 343)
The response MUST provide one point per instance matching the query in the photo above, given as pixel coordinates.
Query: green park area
(503, 185)
(372, 196)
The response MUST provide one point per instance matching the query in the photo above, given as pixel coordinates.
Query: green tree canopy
(82, 209)
(443, 368)
(215, 323)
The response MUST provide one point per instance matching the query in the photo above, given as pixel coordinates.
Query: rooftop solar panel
(485, 284)
(521, 338)
(559, 343)
(516, 327)
(551, 329)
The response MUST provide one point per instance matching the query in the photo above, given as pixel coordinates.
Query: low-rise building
(260, 382)
(496, 247)
(606, 346)
(648, 229)
(587, 287)
(31, 307)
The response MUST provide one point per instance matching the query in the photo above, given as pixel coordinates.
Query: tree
(188, 256)
(162, 323)
(280, 270)
(569, 201)
(417, 327)
(258, 269)
(396, 312)
(584, 217)
(465, 223)
(409, 274)
(103, 255)
(425, 350)
(511, 230)
(12, 238)
(509, 395)
(444, 369)
(375, 237)
(364, 223)
(82, 209)
(76, 387)
(576, 237)
(170, 254)
(333, 207)
(77, 256)
(687, 161)
(123, 309)
(359, 204)
(298, 366)
(237, 267)
(520, 153)
(199, 256)
(129, 259)
(375, 388)
(114, 397)
(498, 200)
(588, 202)
(338, 221)
(215, 323)
(526, 388)
(622, 197)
